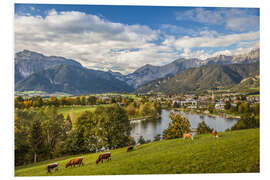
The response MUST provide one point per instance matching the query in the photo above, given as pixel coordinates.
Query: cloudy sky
(124, 38)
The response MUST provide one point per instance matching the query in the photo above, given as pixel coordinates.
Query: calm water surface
(150, 128)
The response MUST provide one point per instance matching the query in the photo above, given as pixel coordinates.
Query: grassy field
(234, 151)
(77, 110)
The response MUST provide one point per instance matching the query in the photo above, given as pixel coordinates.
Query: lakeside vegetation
(234, 151)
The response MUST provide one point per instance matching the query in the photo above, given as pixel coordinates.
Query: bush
(141, 140)
(157, 137)
(203, 128)
(247, 121)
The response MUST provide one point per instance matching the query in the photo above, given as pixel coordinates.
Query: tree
(106, 127)
(37, 101)
(63, 101)
(177, 127)
(113, 126)
(203, 128)
(243, 108)
(19, 102)
(52, 124)
(83, 100)
(144, 109)
(91, 100)
(53, 101)
(141, 140)
(247, 121)
(36, 137)
(211, 108)
(86, 132)
(22, 145)
(77, 101)
(131, 110)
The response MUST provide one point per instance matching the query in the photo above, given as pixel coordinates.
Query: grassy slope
(235, 151)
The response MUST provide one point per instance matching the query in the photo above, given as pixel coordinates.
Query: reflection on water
(150, 128)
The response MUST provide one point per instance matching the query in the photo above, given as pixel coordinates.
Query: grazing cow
(49, 167)
(214, 133)
(138, 145)
(187, 136)
(130, 148)
(102, 156)
(75, 161)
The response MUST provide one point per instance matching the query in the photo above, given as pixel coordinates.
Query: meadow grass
(77, 110)
(233, 152)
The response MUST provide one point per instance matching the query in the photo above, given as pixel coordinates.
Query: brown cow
(75, 161)
(187, 136)
(49, 167)
(214, 133)
(102, 156)
(130, 148)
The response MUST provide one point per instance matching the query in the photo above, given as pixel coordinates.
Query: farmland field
(233, 151)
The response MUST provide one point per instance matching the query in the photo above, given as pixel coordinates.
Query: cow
(102, 156)
(187, 136)
(49, 167)
(75, 161)
(214, 133)
(130, 148)
(138, 145)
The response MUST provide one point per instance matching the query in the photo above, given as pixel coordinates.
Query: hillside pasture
(233, 152)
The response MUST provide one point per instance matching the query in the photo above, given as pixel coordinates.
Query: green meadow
(234, 151)
(77, 110)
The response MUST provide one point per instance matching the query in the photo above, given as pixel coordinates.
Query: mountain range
(149, 73)
(35, 71)
(213, 76)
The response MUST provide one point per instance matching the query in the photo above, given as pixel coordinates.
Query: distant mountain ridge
(29, 62)
(72, 79)
(213, 76)
(31, 68)
(149, 73)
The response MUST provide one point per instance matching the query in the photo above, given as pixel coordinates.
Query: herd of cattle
(79, 160)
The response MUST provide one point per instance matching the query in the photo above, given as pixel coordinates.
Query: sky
(124, 38)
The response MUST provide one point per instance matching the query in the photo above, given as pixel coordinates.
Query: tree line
(45, 134)
(38, 101)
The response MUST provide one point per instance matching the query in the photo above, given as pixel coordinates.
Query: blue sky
(123, 38)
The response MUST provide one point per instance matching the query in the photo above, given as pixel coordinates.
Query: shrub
(203, 128)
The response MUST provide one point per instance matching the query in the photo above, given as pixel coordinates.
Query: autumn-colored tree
(177, 127)
(83, 100)
(131, 110)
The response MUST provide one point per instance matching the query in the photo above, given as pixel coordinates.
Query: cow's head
(68, 164)
(97, 161)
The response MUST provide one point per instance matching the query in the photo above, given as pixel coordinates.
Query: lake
(150, 128)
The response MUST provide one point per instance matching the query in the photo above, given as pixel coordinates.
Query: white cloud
(214, 41)
(90, 40)
(200, 54)
(231, 18)
(100, 44)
